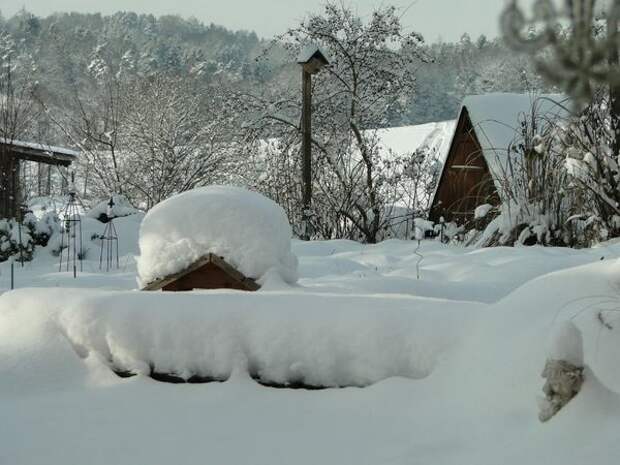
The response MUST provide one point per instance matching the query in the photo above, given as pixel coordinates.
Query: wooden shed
(465, 180)
(477, 169)
(13, 154)
(210, 272)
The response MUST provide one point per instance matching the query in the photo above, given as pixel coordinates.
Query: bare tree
(92, 120)
(370, 78)
(18, 114)
(578, 58)
(143, 137)
(583, 59)
(174, 139)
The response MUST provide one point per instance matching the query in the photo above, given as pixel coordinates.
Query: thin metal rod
(21, 244)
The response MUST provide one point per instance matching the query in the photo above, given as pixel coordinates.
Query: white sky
(447, 19)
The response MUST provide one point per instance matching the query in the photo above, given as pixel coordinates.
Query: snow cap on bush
(122, 207)
(567, 344)
(250, 231)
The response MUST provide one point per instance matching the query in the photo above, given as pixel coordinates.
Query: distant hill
(67, 48)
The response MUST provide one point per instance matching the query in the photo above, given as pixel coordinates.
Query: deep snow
(451, 362)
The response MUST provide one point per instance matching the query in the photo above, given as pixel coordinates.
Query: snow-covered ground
(440, 370)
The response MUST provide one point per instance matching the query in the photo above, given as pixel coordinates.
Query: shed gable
(465, 180)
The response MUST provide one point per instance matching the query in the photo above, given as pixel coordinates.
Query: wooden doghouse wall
(208, 276)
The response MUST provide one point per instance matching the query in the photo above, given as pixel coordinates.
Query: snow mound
(121, 208)
(567, 344)
(249, 230)
(282, 338)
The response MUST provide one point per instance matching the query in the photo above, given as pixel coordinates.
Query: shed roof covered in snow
(41, 153)
(395, 141)
(496, 118)
(407, 139)
(479, 157)
(14, 152)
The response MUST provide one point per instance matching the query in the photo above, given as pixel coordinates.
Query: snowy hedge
(19, 240)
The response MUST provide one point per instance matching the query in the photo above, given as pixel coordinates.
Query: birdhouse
(312, 59)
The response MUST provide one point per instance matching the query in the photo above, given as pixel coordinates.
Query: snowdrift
(452, 378)
(322, 341)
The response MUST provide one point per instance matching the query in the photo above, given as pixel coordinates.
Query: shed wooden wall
(12, 158)
(9, 183)
(465, 181)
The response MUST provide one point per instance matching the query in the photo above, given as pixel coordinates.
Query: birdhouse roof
(309, 52)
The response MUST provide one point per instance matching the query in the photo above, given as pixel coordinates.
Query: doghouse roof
(222, 264)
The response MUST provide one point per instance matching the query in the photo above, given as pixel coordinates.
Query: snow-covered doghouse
(216, 237)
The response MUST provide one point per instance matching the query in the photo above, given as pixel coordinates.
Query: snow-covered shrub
(447, 231)
(591, 159)
(532, 184)
(250, 231)
(20, 239)
(591, 143)
(122, 207)
(425, 227)
(481, 211)
(43, 228)
(16, 240)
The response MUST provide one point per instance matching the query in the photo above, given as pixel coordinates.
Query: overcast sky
(447, 19)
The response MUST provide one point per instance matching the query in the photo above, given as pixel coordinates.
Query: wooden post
(4, 182)
(16, 195)
(306, 149)
(39, 180)
(311, 60)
